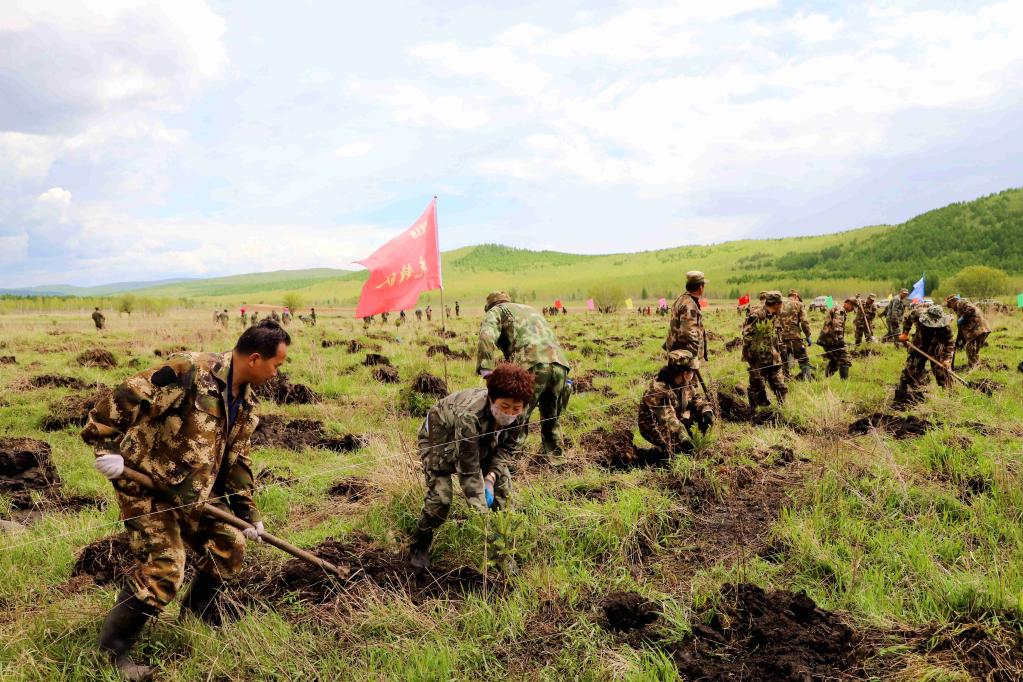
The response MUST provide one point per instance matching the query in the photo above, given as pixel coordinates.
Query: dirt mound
(994, 366)
(370, 563)
(25, 466)
(58, 381)
(352, 489)
(626, 611)
(900, 427)
(987, 386)
(386, 374)
(171, 350)
(428, 384)
(734, 343)
(277, 432)
(443, 349)
(8, 360)
(281, 391)
(447, 334)
(769, 636)
(268, 476)
(734, 405)
(97, 357)
(71, 410)
(615, 450)
(864, 352)
(373, 359)
(330, 343)
(994, 654)
(107, 560)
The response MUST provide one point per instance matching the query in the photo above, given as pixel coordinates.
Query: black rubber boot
(200, 600)
(843, 371)
(419, 553)
(121, 630)
(806, 373)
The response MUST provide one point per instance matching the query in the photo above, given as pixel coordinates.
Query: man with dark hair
(795, 328)
(98, 319)
(933, 336)
(761, 343)
(185, 423)
(670, 406)
(832, 339)
(893, 315)
(474, 433)
(312, 315)
(522, 335)
(685, 330)
(972, 328)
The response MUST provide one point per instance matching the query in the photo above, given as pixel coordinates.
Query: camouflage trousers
(794, 351)
(973, 347)
(660, 436)
(439, 489)
(837, 356)
(893, 331)
(914, 378)
(551, 394)
(864, 330)
(761, 373)
(158, 536)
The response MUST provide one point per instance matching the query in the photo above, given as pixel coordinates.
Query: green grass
(883, 530)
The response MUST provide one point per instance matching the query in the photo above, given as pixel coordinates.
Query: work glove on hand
(110, 465)
(808, 341)
(254, 532)
(485, 373)
(904, 337)
(488, 490)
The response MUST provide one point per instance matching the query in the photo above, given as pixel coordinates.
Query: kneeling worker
(186, 424)
(474, 433)
(669, 407)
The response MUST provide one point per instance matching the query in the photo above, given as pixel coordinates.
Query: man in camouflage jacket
(932, 335)
(463, 435)
(685, 329)
(973, 329)
(186, 424)
(670, 406)
(866, 311)
(832, 339)
(521, 335)
(761, 343)
(894, 315)
(98, 319)
(795, 335)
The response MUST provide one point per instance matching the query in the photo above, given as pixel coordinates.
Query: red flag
(402, 268)
(744, 300)
(703, 303)
(557, 304)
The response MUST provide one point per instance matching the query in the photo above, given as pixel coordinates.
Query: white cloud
(411, 105)
(354, 149)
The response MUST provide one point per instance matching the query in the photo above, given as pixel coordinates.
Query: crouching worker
(670, 407)
(186, 424)
(474, 434)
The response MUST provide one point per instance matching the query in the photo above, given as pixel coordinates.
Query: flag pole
(443, 314)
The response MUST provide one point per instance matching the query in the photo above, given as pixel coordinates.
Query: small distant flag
(662, 303)
(628, 303)
(744, 299)
(557, 304)
(1019, 300)
(590, 305)
(830, 303)
(703, 303)
(918, 290)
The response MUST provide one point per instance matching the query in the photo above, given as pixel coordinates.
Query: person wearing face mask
(474, 434)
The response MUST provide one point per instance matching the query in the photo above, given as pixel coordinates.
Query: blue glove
(488, 489)
(808, 341)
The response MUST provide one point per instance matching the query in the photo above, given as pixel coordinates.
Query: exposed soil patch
(596, 492)
(8, 360)
(58, 381)
(734, 343)
(625, 611)
(992, 655)
(268, 476)
(107, 560)
(973, 486)
(71, 410)
(909, 426)
(330, 343)
(442, 349)
(281, 391)
(615, 450)
(373, 359)
(864, 352)
(97, 357)
(429, 384)
(30, 481)
(276, 432)
(170, 350)
(769, 636)
(987, 386)
(994, 366)
(386, 374)
(734, 405)
(447, 334)
(352, 489)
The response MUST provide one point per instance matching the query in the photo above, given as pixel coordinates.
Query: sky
(148, 140)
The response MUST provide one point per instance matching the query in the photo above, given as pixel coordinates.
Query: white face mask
(500, 417)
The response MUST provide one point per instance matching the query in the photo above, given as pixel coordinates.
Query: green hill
(985, 231)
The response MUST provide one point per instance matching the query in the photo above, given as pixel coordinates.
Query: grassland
(915, 543)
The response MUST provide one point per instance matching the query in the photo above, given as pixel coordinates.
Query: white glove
(254, 532)
(485, 372)
(110, 465)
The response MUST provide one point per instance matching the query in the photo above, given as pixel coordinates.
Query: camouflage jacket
(761, 337)
(667, 408)
(460, 436)
(522, 336)
(794, 322)
(685, 330)
(971, 322)
(935, 341)
(97, 317)
(833, 331)
(170, 421)
(896, 310)
(865, 313)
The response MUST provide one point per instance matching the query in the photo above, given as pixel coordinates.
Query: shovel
(232, 520)
(935, 361)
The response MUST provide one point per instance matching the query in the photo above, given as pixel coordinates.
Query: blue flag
(918, 290)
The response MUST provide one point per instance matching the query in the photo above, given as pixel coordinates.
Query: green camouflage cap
(871, 297)
(494, 298)
(793, 292)
(680, 358)
(695, 277)
(934, 317)
(762, 295)
(772, 297)
(904, 291)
